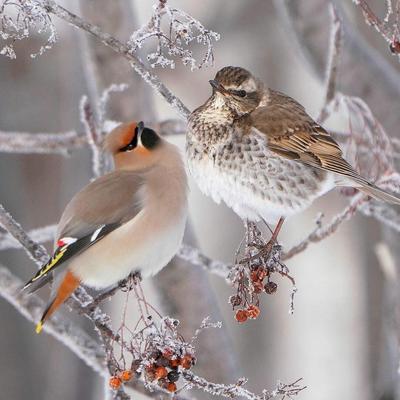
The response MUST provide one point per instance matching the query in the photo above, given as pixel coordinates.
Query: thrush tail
(379, 194)
(66, 288)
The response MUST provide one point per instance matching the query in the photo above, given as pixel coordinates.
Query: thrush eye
(240, 93)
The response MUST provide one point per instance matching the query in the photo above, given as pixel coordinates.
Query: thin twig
(323, 232)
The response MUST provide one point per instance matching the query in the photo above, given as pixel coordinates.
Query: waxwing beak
(218, 87)
(140, 127)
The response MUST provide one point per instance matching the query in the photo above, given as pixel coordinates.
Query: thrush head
(133, 146)
(237, 89)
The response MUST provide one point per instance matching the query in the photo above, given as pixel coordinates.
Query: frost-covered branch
(122, 49)
(333, 63)
(388, 27)
(41, 143)
(193, 256)
(35, 251)
(31, 307)
(323, 232)
(18, 18)
(93, 136)
(39, 235)
(64, 143)
(182, 30)
(237, 390)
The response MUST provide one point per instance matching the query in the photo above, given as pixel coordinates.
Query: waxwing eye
(132, 144)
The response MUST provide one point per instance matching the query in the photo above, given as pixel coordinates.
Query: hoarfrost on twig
(181, 31)
(19, 19)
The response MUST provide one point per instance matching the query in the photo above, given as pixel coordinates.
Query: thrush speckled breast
(258, 150)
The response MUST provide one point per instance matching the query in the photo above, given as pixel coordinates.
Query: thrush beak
(218, 87)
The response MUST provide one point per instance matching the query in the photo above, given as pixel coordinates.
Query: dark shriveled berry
(173, 376)
(270, 287)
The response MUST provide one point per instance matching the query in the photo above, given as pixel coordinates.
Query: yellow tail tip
(39, 327)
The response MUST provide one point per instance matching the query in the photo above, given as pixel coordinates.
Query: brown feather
(293, 134)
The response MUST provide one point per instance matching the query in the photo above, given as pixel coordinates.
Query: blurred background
(342, 338)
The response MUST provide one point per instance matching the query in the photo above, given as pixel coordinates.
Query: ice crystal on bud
(18, 19)
(173, 42)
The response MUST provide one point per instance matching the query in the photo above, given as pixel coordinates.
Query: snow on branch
(388, 26)
(38, 12)
(282, 390)
(153, 349)
(181, 31)
(31, 307)
(35, 251)
(41, 143)
(18, 19)
(333, 62)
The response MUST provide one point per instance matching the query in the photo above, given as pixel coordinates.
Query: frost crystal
(173, 43)
(18, 19)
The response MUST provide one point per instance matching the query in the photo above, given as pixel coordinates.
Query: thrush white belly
(252, 193)
(146, 244)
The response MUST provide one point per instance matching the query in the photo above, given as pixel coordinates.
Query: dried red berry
(115, 382)
(253, 311)
(175, 362)
(241, 316)
(126, 375)
(270, 287)
(258, 287)
(187, 361)
(160, 372)
(171, 387)
(254, 276)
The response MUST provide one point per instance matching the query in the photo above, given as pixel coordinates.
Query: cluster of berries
(258, 281)
(116, 381)
(164, 369)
